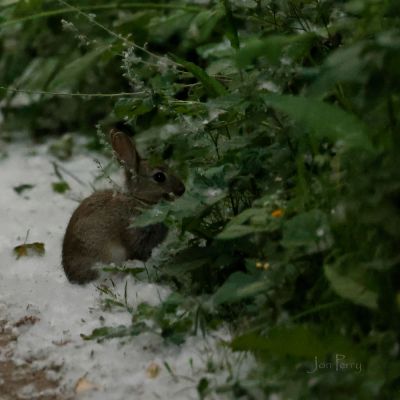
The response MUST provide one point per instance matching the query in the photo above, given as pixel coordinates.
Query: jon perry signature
(338, 364)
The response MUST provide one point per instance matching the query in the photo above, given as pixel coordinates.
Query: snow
(35, 286)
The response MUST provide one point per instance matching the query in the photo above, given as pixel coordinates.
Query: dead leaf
(83, 385)
(26, 249)
(278, 213)
(28, 319)
(153, 370)
(61, 343)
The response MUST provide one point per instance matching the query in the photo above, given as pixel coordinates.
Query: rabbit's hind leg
(80, 270)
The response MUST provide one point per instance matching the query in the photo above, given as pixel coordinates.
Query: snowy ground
(34, 289)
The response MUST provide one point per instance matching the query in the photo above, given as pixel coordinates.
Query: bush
(283, 116)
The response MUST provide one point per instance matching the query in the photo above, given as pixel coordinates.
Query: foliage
(282, 115)
(173, 320)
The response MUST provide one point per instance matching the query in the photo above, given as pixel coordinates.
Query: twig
(42, 92)
(57, 171)
(58, 167)
(100, 7)
(27, 235)
(114, 34)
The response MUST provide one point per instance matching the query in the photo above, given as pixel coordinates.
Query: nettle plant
(274, 131)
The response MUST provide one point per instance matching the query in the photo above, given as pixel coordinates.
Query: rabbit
(99, 229)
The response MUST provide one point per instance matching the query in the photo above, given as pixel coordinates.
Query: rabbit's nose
(180, 190)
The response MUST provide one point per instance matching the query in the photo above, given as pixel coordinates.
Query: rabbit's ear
(125, 150)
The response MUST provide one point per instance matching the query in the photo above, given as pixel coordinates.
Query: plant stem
(100, 7)
(43, 92)
(318, 308)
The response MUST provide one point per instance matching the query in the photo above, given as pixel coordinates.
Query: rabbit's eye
(159, 177)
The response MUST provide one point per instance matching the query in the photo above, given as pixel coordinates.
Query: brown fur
(99, 231)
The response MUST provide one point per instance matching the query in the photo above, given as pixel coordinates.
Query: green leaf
(348, 288)
(212, 86)
(309, 230)
(68, 78)
(133, 107)
(179, 268)
(205, 23)
(343, 65)
(250, 221)
(231, 25)
(27, 7)
(237, 287)
(162, 27)
(173, 300)
(21, 188)
(60, 187)
(271, 48)
(203, 387)
(189, 259)
(187, 206)
(153, 215)
(324, 120)
(38, 73)
(297, 341)
(106, 332)
(274, 47)
(232, 231)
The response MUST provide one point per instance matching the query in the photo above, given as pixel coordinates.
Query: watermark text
(339, 364)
